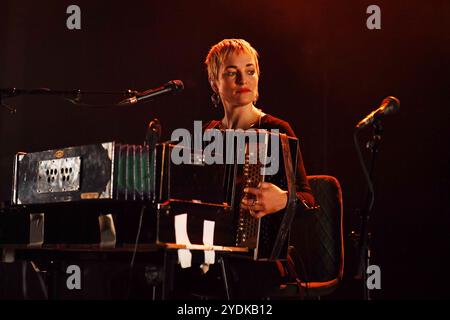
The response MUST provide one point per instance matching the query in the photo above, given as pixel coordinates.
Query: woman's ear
(214, 86)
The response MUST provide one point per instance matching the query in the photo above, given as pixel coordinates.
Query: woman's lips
(243, 90)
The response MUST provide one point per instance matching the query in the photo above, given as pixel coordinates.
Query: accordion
(216, 178)
(207, 184)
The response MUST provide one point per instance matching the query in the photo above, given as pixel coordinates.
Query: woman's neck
(240, 118)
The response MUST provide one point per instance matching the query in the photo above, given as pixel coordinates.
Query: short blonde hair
(220, 51)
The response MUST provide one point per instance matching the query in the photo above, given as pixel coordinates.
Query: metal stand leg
(168, 274)
(224, 277)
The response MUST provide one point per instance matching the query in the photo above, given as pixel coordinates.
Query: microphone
(389, 105)
(173, 86)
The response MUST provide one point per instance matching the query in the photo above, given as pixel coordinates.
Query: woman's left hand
(269, 199)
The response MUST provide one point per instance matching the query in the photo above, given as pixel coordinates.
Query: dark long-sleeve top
(269, 122)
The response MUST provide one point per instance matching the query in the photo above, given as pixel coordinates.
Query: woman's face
(237, 83)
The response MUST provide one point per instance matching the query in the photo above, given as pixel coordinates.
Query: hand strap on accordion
(289, 212)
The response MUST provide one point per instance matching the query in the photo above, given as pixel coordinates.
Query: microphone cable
(365, 171)
(363, 238)
(136, 243)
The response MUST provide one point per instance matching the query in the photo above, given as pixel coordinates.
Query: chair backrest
(316, 240)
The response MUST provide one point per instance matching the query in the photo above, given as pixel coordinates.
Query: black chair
(316, 251)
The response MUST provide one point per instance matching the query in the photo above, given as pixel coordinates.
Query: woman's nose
(240, 79)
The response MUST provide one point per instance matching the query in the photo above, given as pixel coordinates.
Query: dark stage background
(322, 70)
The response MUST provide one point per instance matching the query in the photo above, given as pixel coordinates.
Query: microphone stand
(74, 94)
(365, 235)
(152, 137)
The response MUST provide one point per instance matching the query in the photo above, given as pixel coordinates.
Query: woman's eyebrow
(235, 67)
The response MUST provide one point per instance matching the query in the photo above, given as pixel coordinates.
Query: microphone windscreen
(176, 85)
(392, 105)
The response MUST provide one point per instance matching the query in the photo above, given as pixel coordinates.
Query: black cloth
(269, 122)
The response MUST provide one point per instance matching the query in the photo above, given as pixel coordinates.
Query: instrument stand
(364, 234)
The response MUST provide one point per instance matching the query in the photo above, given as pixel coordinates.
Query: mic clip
(131, 93)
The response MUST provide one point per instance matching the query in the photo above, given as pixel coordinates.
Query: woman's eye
(251, 72)
(231, 73)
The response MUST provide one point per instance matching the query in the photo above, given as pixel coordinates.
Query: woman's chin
(242, 102)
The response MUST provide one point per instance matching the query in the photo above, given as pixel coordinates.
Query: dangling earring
(215, 98)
